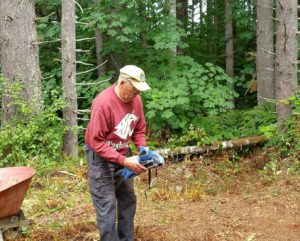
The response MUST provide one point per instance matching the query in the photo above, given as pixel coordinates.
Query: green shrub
(31, 136)
(188, 91)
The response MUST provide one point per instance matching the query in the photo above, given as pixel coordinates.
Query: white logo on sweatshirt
(123, 129)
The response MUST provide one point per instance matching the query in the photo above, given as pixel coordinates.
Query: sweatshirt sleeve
(96, 137)
(138, 136)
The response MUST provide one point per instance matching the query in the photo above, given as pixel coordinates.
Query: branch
(80, 62)
(267, 99)
(49, 77)
(83, 39)
(79, 6)
(84, 119)
(84, 24)
(36, 19)
(50, 41)
(82, 51)
(269, 52)
(90, 70)
(82, 111)
(93, 83)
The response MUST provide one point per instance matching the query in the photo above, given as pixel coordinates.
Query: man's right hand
(133, 164)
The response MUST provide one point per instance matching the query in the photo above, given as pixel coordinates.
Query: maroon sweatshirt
(113, 124)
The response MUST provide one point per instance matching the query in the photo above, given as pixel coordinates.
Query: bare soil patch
(218, 198)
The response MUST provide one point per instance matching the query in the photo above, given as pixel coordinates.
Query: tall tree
(99, 47)
(173, 12)
(229, 39)
(19, 54)
(182, 16)
(286, 56)
(68, 39)
(265, 49)
(182, 12)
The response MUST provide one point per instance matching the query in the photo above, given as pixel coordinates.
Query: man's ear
(122, 82)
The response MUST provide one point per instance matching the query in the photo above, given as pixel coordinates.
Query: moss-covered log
(216, 146)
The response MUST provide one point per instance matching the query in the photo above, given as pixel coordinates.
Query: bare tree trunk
(182, 16)
(286, 56)
(229, 41)
(19, 54)
(201, 12)
(99, 48)
(174, 14)
(182, 12)
(265, 49)
(193, 9)
(143, 14)
(70, 141)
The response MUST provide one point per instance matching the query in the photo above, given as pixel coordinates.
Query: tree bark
(70, 141)
(229, 39)
(229, 43)
(223, 145)
(173, 12)
(182, 16)
(182, 12)
(264, 56)
(99, 47)
(19, 54)
(286, 57)
(201, 17)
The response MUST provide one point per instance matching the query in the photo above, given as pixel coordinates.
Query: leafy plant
(189, 91)
(30, 135)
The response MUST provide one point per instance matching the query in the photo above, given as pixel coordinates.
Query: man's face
(128, 91)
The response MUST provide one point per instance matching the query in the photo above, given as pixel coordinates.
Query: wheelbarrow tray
(14, 183)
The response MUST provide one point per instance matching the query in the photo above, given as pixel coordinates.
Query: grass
(60, 206)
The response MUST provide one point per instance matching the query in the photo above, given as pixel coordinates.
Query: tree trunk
(99, 48)
(70, 141)
(223, 145)
(229, 39)
(19, 54)
(229, 42)
(286, 56)
(182, 16)
(201, 17)
(264, 56)
(173, 13)
(182, 12)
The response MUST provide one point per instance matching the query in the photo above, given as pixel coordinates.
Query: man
(117, 117)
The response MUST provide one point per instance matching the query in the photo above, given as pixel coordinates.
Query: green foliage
(206, 43)
(189, 91)
(195, 136)
(286, 139)
(227, 126)
(29, 135)
(235, 124)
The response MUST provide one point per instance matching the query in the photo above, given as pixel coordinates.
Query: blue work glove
(147, 158)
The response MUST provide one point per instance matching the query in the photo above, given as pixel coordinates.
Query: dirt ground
(219, 198)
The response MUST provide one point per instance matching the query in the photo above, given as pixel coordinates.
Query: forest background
(219, 70)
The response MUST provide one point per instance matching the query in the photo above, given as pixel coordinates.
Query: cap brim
(141, 86)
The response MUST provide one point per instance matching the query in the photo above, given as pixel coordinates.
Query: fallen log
(246, 141)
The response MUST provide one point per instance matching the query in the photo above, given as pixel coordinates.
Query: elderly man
(117, 117)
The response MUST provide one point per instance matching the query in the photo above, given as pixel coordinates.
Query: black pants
(110, 203)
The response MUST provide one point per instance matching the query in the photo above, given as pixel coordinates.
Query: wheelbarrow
(14, 183)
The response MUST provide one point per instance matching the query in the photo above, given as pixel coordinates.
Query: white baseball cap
(136, 76)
